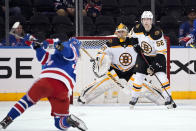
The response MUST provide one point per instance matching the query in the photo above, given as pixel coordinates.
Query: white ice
(145, 117)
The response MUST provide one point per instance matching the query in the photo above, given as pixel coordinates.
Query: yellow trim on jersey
(132, 79)
(162, 51)
(120, 68)
(140, 33)
(129, 46)
(118, 46)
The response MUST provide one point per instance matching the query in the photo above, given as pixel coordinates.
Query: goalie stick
(174, 104)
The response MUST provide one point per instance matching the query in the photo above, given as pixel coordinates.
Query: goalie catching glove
(101, 64)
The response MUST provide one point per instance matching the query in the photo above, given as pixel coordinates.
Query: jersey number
(160, 43)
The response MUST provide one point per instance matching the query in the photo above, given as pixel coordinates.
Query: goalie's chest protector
(123, 57)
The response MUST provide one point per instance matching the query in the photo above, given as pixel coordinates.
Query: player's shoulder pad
(113, 42)
(137, 28)
(156, 33)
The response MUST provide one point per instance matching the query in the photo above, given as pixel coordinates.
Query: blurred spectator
(70, 8)
(2, 9)
(187, 26)
(13, 9)
(93, 8)
(60, 7)
(15, 40)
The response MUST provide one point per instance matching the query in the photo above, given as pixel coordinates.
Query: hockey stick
(108, 73)
(174, 104)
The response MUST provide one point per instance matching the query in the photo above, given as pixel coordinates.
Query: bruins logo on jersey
(146, 47)
(125, 59)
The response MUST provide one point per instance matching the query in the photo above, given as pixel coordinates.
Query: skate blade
(81, 125)
(131, 107)
(170, 106)
(1, 127)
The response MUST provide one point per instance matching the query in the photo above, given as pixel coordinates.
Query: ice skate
(169, 103)
(133, 102)
(76, 122)
(81, 100)
(5, 122)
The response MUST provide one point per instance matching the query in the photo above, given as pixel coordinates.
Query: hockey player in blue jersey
(55, 82)
(190, 40)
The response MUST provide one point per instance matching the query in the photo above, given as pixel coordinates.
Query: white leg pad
(98, 87)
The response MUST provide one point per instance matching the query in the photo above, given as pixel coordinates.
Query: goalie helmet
(122, 27)
(121, 31)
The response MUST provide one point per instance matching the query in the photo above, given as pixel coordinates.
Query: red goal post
(85, 75)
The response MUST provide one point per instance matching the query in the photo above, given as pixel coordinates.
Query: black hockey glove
(159, 62)
(133, 40)
(150, 70)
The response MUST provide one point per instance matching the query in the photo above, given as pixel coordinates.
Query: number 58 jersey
(151, 42)
(122, 54)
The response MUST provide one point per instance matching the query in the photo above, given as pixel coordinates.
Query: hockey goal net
(86, 76)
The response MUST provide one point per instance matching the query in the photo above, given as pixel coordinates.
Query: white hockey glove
(101, 64)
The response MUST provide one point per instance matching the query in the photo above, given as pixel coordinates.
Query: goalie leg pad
(97, 88)
(153, 94)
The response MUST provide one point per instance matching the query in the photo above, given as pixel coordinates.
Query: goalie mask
(147, 19)
(121, 31)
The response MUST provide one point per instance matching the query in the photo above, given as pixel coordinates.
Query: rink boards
(19, 69)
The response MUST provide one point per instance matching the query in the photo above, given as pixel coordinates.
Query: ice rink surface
(145, 117)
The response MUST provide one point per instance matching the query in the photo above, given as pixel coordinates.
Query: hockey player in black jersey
(152, 59)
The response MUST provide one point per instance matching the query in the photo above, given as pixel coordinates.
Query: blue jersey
(193, 33)
(14, 42)
(60, 65)
(185, 29)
